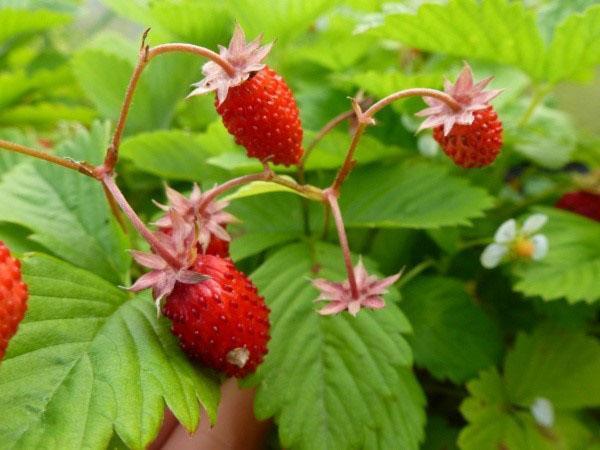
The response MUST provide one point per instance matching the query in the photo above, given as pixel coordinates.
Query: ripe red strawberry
(475, 145)
(263, 116)
(581, 202)
(13, 297)
(469, 131)
(256, 104)
(221, 321)
(216, 247)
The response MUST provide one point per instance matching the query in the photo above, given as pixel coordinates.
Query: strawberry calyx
(245, 57)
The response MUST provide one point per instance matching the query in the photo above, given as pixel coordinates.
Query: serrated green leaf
(9, 159)
(575, 49)
(412, 195)
(87, 359)
(17, 239)
(571, 269)
(561, 366)
(336, 381)
(266, 221)
(501, 31)
(451, 337)
(67, 212)
(19, 22)
(172, 154)
(545, 364)
(282, 20)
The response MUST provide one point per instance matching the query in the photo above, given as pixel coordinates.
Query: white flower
(513, 242)
(543, 412)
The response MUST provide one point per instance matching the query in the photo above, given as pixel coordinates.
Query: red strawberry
(13, 297)
(221, 321)
(469, 132)
(581, 202)
(216, 247)
(256, 104)
(474, 145)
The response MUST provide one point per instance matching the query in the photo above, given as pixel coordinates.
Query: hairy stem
(109, 182)
(81, 167)
(145, 56)
(366, 118)
(331, 197)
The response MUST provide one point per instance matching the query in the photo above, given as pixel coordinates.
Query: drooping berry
(256, 104)
(222, 321)
(581, 202)
(13, 297)
(474, 145)
(468, 131)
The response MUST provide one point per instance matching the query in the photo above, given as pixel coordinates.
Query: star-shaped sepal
(339, 294)
(163, 274)
(470, 95)
(245, 57)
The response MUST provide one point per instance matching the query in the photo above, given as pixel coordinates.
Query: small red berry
(13, 297)
(222, 321)
(262, 115)
(256, 104)
(581, 202)
(217, 247)
(475, 145)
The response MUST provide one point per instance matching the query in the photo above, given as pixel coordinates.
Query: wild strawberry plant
(379, 285)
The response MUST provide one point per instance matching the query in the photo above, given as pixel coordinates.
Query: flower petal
(534, 223)
(540, 247)
(542, 411)
(507, 232)
(492, 255)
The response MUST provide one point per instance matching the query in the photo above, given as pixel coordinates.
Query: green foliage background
(459, 354)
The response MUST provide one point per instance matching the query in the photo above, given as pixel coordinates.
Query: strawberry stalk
(109, 182)
(331, 197)
(145, 56)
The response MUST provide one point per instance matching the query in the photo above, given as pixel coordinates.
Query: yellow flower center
(524, 248)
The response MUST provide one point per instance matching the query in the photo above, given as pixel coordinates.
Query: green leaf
(500, 31)
(575, 50)
(412, 195)
(104, 75)
(333, 381)
(172, 154)
(331, 151)
(45, 115)
(548, 139)
(21, 22)
(571, 269)
(561, 366)
(452, 337)
(17, 239)
(282, 20)
(9, 159)
(67, 212)
(440, 436)
(86, 360)
(266, 221)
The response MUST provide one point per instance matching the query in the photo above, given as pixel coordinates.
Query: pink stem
(331, 198)
(109, 182)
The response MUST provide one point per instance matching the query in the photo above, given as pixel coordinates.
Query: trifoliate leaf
(451, 337)
(562, 366)
(413, 195)
(68, 212)
(333, 381)
(87, 360)
(172, 154)
(571, 269)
